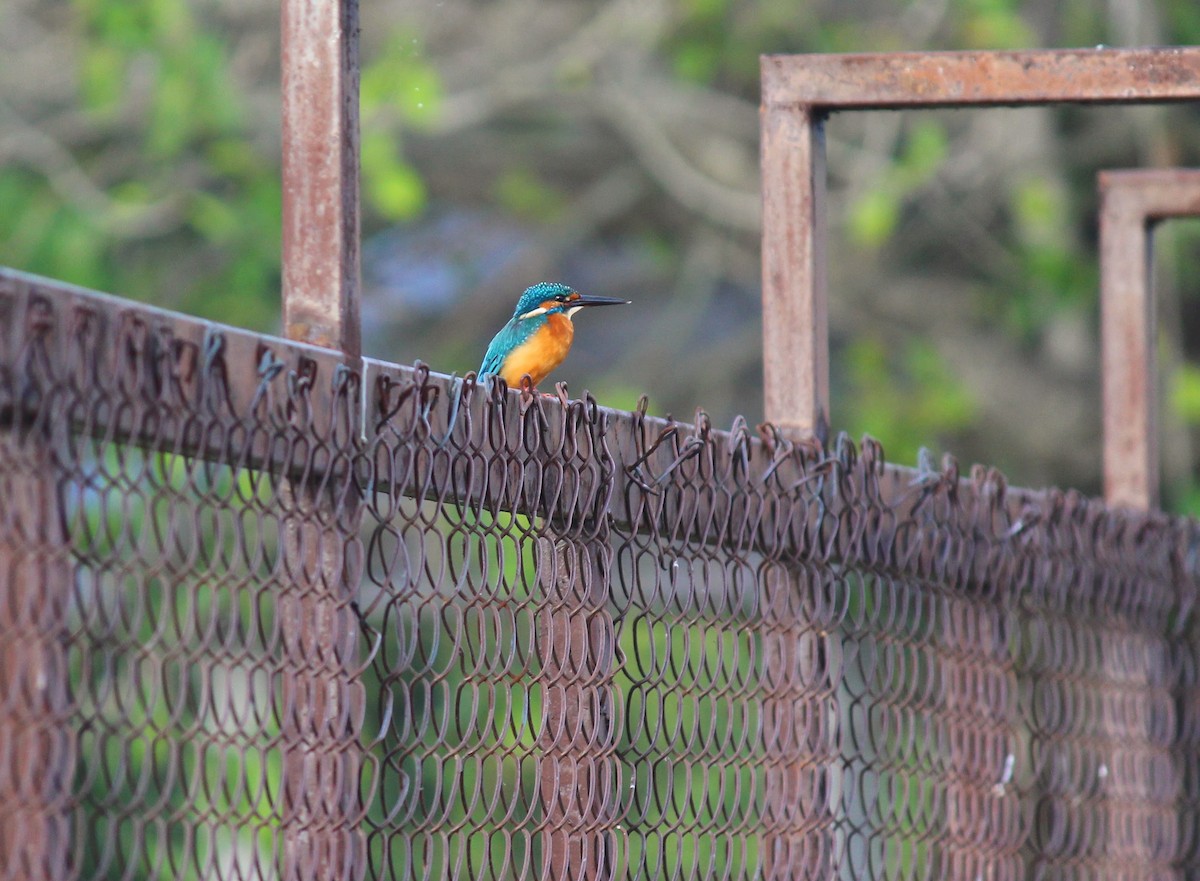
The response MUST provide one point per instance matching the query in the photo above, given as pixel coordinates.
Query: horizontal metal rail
(909, 80)
(155, 357)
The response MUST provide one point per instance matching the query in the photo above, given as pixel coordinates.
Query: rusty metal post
(320, 173)
(800, 728)
(575, 646)
(36, 745)
(1128, 361)
(1130, 202)
(322, 705)
(798, 91)
(795, 308)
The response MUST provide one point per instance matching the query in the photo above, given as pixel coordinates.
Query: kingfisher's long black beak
(586, 300)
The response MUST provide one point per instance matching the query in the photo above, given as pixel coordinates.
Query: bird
(538, 336)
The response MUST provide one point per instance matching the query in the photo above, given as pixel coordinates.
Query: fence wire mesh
(268, 615)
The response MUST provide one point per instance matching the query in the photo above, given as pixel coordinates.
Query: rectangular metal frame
(800, 91)
(1131, 202)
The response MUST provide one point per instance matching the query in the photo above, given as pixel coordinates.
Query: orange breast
(541, 353)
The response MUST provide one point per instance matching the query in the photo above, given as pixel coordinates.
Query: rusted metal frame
(799, 91)
(323, 703)
(897, 80)
(321, 274)
(1131, 202)
(795, 307)
(37, 741)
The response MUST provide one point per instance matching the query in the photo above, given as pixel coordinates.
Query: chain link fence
(269, 615)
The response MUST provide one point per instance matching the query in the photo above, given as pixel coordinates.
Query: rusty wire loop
(505, 635)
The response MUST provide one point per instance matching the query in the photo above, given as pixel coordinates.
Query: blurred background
(614, 146)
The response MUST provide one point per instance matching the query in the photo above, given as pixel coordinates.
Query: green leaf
(705, 8)
(234, 157)
(924, 151)
(1040, 207)
(170, 123)
(402, 81)
(419, 93)
(1185, 393)
(392, 186)
(215, 219)
(1184, 499)
(1184, 18)
(72, 248)
(873, 218)
(904, 399)
(124, 25)
(102, 78)
(697, 61)
(994, 24)
(523, 194)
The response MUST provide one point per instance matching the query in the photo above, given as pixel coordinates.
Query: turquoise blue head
(544, 292)
(551, 297)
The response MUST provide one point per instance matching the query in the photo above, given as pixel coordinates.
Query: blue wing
(510, 337)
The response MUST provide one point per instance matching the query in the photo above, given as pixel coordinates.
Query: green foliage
(616, 395)
(177, 184)
(102, 79)
(905, 401)
(1183, 17)
(401, 81)
(1185, 393)
(1177, 255)
(874, 216)
(523, 194)
(1054, 271)
(1184, 499)
(923, 153)
(42, 233)
(992, 24)
(697, 53)
(398, 86)
(189, 214)
(391, 186)
(719, 41)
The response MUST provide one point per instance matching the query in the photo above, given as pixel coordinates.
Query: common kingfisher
(538, 336)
